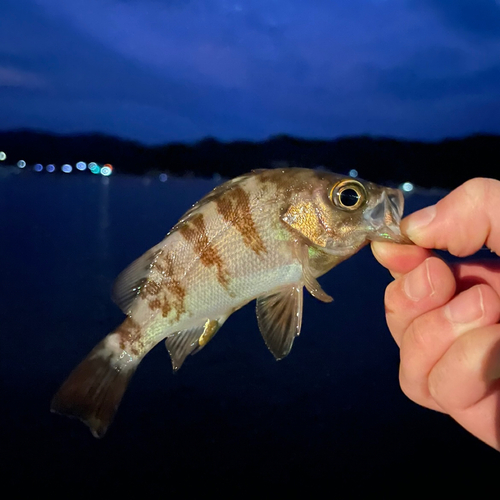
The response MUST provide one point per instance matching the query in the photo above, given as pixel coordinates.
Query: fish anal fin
(94, 389)
(190, 341)
(279, 315)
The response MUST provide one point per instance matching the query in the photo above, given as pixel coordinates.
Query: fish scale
(266, 235)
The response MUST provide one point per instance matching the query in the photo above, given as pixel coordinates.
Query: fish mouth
(385, 217)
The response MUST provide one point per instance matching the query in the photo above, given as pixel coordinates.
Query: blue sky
(180, 70)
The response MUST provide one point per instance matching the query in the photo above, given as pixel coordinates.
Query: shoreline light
(163, 177)
(66, 168)
(94, 167)
(81, 165)
(3, 156)
(21, 163)
(50, 168)
(107, 170)
(353, 172)
(38, 167)
(407, 187)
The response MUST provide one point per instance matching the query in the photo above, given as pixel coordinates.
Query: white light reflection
(106, 171)
(407, 187)
(21, 163)
(353, 172)
(3, 156)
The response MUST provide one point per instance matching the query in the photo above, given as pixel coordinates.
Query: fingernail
(467, 307)
(418, 284)
(419, 220)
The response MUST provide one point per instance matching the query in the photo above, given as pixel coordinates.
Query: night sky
(180, 70)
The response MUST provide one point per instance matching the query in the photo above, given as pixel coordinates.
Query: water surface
(330, 415)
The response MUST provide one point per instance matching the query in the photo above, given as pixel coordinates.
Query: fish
(262, 236)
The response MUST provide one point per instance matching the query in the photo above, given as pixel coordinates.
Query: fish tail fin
(94, 389)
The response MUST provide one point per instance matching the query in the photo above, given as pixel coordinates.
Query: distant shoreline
(444, 164)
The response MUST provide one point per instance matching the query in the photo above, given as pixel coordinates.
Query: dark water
(232, 419)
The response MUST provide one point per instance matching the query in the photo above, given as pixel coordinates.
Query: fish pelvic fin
(94, 389)
(279, 316)
(192, 340)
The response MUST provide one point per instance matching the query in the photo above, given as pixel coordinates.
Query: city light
(163, 177)
(353, 172)
(3, 156)
(107, 169)
(94, 167)
(407, 187)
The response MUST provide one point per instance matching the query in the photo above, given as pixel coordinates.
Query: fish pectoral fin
(129, 282)
(192, 340)
(279, 316)
(310, 282)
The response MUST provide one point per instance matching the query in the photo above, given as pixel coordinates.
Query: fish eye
(348, 195)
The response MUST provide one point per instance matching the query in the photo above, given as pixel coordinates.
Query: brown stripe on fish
(129, 333)
(150, 289)
(171, 293)
(234, 206)
(195, 233)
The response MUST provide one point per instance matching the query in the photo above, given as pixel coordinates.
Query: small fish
(265, 235)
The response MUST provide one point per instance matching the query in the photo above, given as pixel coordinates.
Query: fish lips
(383, 220)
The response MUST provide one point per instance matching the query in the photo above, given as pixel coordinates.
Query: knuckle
(477, 189)
(390, 301)
(436, 384)
(405, 384)
(417, 337)
(409, 387)
(468, 201)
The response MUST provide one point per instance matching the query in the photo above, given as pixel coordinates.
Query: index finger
(462, 222)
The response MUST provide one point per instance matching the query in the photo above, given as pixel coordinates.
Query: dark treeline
(443, 164)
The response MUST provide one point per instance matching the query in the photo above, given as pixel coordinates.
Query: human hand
(445, 319)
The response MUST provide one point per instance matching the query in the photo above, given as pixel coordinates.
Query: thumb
(462, 222)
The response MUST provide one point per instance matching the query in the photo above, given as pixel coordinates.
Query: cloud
(180, 70)
(12, 77)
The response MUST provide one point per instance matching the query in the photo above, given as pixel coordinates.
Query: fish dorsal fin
(279, 316)
(310, 282)
(190, 341)
(129, 282)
